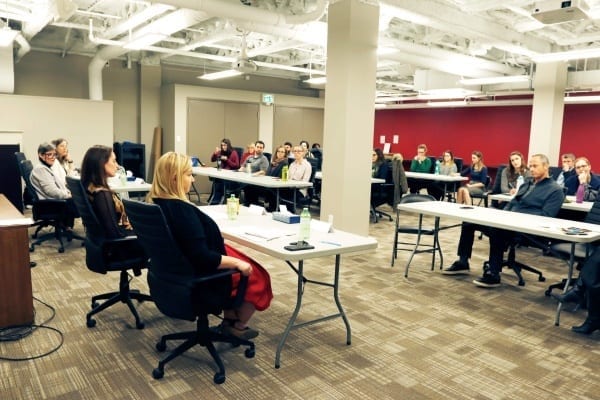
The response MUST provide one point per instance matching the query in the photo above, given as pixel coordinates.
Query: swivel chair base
(124, 295)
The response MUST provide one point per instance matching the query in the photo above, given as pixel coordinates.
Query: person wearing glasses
(583, 176)
(420, 163)
(300, 170)
(49, 185)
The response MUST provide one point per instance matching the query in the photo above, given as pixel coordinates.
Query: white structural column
(349, 113)
(548, 108)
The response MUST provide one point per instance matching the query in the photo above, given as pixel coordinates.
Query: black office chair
(27, 196)
(497, 187)
(103, 255)
(178, 293)
(418, 230)
(512, 263)
(382, 193)
(45, 212)
(483, 197)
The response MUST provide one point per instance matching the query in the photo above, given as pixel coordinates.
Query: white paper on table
(320, 226)
(256, 210)
(260, 234)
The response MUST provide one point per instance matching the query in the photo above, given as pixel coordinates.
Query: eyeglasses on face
(298, 151)
(581, 166)
(50, 155)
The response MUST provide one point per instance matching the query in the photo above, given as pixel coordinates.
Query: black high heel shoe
(588, 327)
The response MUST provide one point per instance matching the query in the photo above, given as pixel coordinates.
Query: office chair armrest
(127, 250)
(192, 282)
(51, 205)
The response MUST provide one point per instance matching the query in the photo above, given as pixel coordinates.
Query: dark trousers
(499, 239)
(590, 275)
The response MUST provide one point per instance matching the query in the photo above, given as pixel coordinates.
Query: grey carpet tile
(428, 336)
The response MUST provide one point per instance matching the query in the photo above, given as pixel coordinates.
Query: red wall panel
(495, 131)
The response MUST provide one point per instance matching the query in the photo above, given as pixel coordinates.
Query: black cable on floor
(15, 333)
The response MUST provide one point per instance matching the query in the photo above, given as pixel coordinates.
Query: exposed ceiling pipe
(235, 10)
(24, 47)
(450, 62)
(223, 8)
(176, 21)
(452, 20)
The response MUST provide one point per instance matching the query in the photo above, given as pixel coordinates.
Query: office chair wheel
(158, 373)
(542, 278)
(140, 325)
(95, 304)
(31, 249)
(61, 249)
(219, 378)
(161, 346)
(548, 292)
(249, 353)
(91, 322)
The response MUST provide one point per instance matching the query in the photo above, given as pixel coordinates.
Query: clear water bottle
(304, 232)
(284, 173)
(233, 205)
(249, 168)
(218, 163)
(122, 175)
(579, 194)
(520, 181)
(437, 167)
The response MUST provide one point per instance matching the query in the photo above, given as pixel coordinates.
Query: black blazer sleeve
(198, 236)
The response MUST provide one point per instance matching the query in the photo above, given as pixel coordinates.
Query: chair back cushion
(593, 216)
(170, 275)
(94, 233)
(416, 198)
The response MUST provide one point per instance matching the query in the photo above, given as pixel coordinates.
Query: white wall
(178, 132)
(41, 119)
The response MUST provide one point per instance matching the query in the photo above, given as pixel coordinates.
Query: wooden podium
(16, 296)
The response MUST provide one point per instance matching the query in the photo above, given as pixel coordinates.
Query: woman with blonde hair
(201, 242)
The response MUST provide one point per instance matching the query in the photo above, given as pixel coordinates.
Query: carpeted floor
(428, 336)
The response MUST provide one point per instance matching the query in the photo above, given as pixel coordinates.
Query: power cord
(18, 332)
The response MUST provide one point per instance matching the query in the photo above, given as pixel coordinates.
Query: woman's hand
(244, 267)
(512, 191)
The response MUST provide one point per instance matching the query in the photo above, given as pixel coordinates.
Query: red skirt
(258, 291)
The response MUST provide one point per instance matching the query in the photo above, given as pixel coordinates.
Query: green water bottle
(284, 173)
(232, 207)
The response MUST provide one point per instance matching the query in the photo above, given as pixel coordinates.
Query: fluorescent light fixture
(494, 79)
(582, 99)
(567, 55)
(144, 41)
(7, 36)
(320, 80)
(459, 103)
(228, 73)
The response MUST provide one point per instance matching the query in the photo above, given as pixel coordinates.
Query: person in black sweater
(538, 195)
(201, 242)
(99, 164)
